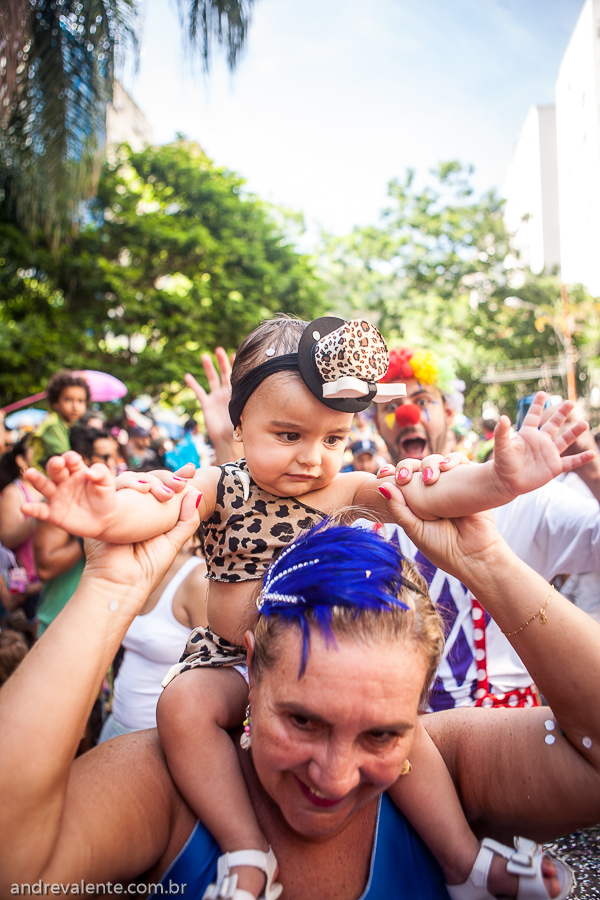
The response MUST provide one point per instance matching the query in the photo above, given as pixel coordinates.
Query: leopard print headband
(340, 362)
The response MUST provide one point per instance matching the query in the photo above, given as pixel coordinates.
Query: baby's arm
(84, 501)
(521, 464)
(428, 799)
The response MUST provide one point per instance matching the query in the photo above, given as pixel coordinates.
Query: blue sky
(333, 98)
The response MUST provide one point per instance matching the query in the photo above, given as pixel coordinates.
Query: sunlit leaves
(141, 294)
(58, 59)
(435, 272)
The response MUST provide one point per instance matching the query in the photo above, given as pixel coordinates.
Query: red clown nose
(408, 414)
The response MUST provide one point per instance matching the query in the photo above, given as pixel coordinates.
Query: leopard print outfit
(248, 529)
(205, 648)
(243, 534)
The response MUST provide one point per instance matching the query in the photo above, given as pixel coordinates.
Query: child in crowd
(295, 388)
(68, 396)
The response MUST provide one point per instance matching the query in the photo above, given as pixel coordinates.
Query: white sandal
(225, 888)
(525, 861)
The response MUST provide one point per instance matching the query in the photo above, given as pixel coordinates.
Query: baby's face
(293, 444)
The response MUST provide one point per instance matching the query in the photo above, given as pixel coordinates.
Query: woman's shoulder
(12, 489)
(13, 495)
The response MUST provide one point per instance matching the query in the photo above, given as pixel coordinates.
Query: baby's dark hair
(13, 649)
(281, 334)
(61, 380)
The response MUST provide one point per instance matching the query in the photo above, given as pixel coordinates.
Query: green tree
(436, 271)
(175, 261)
(57, 65)
(437, 250)
(522, 334)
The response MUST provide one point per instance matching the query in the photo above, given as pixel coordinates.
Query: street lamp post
(563, 334)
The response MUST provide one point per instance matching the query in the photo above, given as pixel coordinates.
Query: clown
(416, 425)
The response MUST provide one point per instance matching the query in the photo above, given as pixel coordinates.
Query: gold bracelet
(541, 613)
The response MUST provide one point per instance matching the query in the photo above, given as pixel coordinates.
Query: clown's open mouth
(413, 446)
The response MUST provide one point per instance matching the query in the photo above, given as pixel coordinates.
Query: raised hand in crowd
(215, 405)
(590, 472)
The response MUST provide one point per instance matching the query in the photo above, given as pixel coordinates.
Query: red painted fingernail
(403, 473)
(142, 481)
(168, 490)
(198, 500)
(447, 460)
(177, 478)
(427, 474)
(383, 490)
(385, 470)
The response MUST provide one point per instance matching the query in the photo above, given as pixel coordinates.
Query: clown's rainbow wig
(423, 365)
(344, 581)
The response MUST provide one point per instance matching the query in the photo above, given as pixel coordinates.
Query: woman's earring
(237, 436)
(406, 768)
(246, 738)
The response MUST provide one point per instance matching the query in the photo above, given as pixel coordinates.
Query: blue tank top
(402, 868)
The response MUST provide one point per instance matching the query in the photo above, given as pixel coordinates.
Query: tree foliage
(436, 270)
(55, 87)
(225, 21)
(57, 64)
(174, 261)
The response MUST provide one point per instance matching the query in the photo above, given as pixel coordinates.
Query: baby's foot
(502, 883)
(250, 879)
(541, 876)
(255, 870)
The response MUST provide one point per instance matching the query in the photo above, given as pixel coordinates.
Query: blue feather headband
(329, 567)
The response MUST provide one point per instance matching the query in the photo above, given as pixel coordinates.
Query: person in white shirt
(547, 528)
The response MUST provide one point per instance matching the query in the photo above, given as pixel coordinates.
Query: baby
(295, 388)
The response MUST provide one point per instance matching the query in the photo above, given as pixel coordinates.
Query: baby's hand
(533, 456)
(161, 483)
(430, 467)
(81, 500)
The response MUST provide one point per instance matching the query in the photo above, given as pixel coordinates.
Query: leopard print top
(243, 535)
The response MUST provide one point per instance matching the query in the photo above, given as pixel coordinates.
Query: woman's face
(326, 745)
(23, 460)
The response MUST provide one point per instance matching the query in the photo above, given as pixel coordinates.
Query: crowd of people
(346, 613)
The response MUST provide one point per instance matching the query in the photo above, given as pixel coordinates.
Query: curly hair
(61, 380)
(424, 365)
